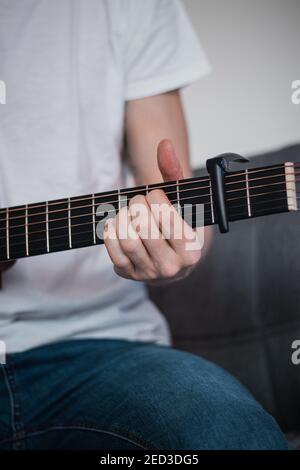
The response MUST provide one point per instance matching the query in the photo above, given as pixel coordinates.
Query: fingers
(168, 162)
(179, 234)
(148, 240)
(126, 250)
(164, 260)
(121, 262)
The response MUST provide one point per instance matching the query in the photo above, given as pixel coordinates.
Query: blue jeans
(121, 395)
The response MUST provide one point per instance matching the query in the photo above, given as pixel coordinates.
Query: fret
(4, 235)
(236, 195)
(81, 219)
(94, 220)
(17, 235)
(63, 224)
(194, 193)
(36, 229)
(26, 230)
(267, 190)
(248, 193)
(119, 200)
(291, 189)
(58, 225)
(69, 223)
(7, 234)
(178, 198)
(107, 206)
(47, 228)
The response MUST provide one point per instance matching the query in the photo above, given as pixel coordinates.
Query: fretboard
(47, 227)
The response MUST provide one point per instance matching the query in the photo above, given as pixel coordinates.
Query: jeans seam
(11, 399)
(17, 427)
(113, 431)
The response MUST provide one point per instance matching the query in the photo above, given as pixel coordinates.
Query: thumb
(168, 163)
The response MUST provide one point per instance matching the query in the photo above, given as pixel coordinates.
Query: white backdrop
(245, 104)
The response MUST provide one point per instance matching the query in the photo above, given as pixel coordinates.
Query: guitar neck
(64, 224)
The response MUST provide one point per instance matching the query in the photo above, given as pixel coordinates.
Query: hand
(139, 256)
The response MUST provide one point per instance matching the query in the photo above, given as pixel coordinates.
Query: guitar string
(232, 213)
(180, 191)
(65, 247)
(89, 214)
(161, 186)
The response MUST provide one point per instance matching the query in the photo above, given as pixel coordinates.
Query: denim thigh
(115, 394)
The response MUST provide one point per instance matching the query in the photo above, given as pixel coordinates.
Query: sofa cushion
(241, 306)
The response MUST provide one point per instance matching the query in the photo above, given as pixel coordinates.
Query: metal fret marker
(178, 199)
(47, 227)
(26, 230)
(69, 223)
(94, 219)
(119, 199)
(7, 234)
(211, 203)
(248, 193)
(291, 190)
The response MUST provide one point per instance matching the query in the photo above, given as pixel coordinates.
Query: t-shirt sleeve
(163, 52)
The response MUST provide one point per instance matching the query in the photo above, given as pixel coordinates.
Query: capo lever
(217, 167)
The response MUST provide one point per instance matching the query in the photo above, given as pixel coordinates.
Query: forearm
(148, 121)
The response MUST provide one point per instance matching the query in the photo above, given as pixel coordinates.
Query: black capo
(217, 167)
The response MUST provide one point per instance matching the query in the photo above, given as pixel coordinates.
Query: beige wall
(245, 104)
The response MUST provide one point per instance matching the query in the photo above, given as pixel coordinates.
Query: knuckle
(155, 195)
(138, 199)
(122, 264)
(147, 275)
(152, 274)
(129, 246)
(170, 269)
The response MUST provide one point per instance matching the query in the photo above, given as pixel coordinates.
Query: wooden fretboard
(47, 227)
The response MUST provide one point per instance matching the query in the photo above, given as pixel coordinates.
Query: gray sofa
(241, 307)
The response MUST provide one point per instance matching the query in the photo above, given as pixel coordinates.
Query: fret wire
(7, 233)
(26, 230)
(63, 237)
(69, 223)
(248, 193)
(47, 228)
(147, 189)
(265, 177)
(178, 198)
(94, 220)
(206, 212)
(172, 192)
(281, 208)
(119, 199)
(188, 198)
(183, 182)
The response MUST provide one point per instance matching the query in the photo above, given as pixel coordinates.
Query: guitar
(64, 224)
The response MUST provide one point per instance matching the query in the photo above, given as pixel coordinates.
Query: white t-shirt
(69, 68)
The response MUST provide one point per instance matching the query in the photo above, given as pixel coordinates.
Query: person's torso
(61, 133)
